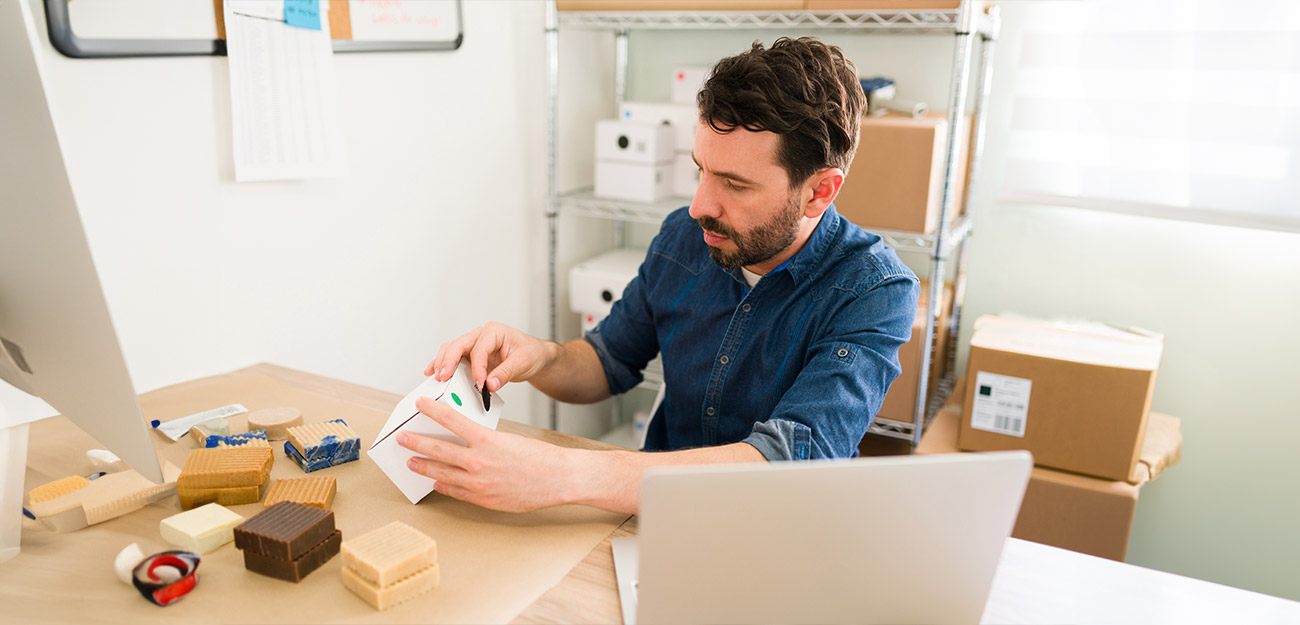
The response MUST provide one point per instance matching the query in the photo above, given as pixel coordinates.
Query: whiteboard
(124, 28)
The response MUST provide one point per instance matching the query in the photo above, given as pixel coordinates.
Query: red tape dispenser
(164, 589)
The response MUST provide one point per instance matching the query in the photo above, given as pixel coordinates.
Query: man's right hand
(497, 354)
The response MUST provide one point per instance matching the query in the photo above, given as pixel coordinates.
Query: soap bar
(233, 496)
(215, 427)
(57, 488)
(319, 445)
(310, 491)
(202, 529)
(276, 421)
(284, 531)
(384, 597)
(298, 568)
(226, 468)
(255, 438)
(392, 552)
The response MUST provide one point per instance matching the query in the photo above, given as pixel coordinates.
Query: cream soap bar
(390, 553)
(384, 597)
(202, 529)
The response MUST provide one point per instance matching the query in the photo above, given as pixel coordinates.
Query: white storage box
(634, 142)
(687, 82)
(629, 181)
(596, 283)
(686, 175)
(682, 118)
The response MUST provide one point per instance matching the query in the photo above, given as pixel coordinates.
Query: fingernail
(412, 463)
(494, 383)
(403, 439)
(421, 401)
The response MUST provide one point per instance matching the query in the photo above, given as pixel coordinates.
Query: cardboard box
(896, 179)
(1075, 394)
(900, 402)
(679, 5)
(1084, 514)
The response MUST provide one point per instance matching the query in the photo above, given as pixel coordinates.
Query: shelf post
(552, 177)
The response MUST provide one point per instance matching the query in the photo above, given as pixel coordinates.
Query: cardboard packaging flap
(1162, 448)
(1074, 340)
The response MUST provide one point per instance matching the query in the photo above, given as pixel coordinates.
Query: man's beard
(762, 243)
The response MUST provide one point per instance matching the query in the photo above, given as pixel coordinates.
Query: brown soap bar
(226, 468)
(295, 570)
(284, 531)
(195, 497)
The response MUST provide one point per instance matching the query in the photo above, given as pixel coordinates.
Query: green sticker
(456, 399)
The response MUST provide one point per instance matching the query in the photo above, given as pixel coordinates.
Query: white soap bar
(202, 529)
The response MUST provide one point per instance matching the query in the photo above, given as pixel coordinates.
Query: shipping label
(1001, 404)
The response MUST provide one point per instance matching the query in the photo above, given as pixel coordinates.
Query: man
(779, 321)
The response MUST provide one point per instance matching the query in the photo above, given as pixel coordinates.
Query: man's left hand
(494, 469)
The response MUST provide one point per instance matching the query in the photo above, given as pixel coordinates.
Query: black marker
(487, 398)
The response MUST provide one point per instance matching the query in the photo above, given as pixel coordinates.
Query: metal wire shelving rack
(966, 24)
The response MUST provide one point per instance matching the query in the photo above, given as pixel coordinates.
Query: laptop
(911, 539)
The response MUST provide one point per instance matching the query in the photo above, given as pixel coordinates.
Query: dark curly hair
(801, 89)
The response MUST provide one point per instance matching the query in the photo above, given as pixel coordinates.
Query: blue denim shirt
(797, 366)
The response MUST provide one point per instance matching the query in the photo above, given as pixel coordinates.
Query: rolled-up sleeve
(844, 379)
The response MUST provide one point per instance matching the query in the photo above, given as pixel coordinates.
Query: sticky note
(302, 13)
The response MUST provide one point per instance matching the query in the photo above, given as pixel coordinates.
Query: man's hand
(497, 354)
(495, 469)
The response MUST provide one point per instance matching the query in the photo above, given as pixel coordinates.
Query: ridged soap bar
(311, 491)
(226, 468)
(384, 597)
(285, 531)
(387, 554)
(319, 445)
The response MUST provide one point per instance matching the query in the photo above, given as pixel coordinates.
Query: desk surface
(1034, 583)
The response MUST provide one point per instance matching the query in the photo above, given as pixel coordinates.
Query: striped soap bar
(310, 491)
(320, 445)
(226, 468)
(387, 554)
(276, 421)
(285, 531)
(255, 438)
(57, 488)
(232, 496)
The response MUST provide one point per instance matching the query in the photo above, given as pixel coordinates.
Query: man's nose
(705, 203)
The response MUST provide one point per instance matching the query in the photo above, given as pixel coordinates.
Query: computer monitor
(56, 337)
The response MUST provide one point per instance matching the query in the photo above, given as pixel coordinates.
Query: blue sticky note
(302, 13)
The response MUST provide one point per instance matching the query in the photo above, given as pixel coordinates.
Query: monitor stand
(17, 410)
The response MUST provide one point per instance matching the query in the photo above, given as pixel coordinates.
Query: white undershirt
(750, 277)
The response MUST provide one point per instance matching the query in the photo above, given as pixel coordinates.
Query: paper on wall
(458, 393)
(284, 96)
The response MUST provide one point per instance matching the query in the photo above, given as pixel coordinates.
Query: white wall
(1223, 297)
(432, 231)
(438, 226)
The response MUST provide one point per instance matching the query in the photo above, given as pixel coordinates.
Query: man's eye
(733, 186)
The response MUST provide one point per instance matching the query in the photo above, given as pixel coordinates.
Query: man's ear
(821, 189)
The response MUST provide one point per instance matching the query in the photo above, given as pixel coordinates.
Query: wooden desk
(494, 565)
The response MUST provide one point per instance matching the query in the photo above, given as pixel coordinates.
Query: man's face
(744, 204)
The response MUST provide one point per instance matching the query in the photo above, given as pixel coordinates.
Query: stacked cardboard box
(1071, 511)
(900, 402)
(896, 180)
(1076, 394)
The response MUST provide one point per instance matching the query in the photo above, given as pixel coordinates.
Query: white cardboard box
(635, 182)
(596, 283)
(687, 82)
(686, 175)
(682, 118)
(645, 143)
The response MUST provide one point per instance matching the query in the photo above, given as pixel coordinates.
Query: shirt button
(842, 353)
(746, 307)
(724, 360)
(709, 410)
